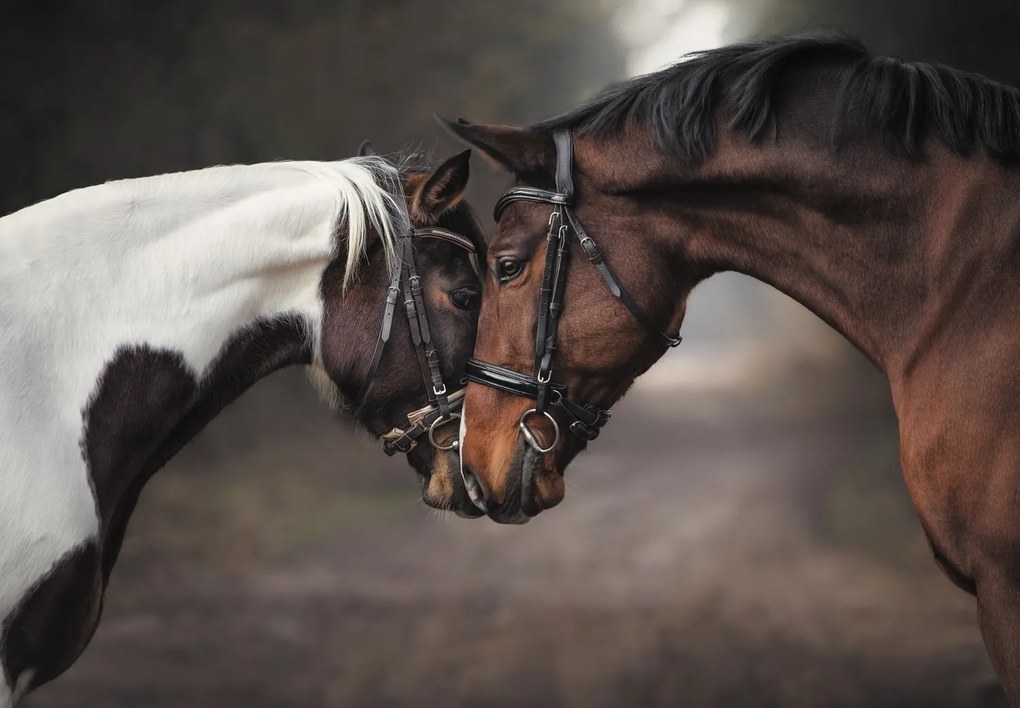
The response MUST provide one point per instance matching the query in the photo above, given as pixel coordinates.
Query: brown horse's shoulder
(959, 416)
(956, 576)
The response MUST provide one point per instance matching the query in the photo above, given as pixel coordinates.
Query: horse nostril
(474, 490)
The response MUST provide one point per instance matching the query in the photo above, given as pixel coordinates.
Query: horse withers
(133, 312)
(884, 195)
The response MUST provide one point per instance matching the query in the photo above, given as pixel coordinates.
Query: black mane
(902, 101)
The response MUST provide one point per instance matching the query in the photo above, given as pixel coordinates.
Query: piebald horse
(882, 194)
(134, 311)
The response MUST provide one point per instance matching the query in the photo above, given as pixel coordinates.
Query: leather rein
(443, 405)
(583, 419)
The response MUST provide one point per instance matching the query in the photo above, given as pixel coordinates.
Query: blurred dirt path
(682, 569)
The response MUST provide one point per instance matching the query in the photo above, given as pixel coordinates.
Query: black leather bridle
(583, 419)
(442, 405)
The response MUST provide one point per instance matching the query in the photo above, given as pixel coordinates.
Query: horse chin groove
(531, 468)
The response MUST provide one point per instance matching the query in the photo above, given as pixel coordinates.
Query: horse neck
(883, 249)
(135, 311)
(182, 263)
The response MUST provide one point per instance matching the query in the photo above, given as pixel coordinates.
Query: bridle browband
(583, 419)
(442, 405)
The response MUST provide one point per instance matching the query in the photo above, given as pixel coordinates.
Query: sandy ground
(733, 560)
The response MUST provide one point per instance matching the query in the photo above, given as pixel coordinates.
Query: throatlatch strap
(595, 257)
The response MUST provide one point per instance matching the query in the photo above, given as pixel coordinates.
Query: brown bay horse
(883, 195)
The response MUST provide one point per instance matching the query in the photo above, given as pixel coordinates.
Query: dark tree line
(116, 88)
(977, 36)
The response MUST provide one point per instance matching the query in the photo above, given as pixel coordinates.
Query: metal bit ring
(455, 444)
(531, 438)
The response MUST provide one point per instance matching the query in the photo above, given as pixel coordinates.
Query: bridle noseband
(443, 406)
(583, 420)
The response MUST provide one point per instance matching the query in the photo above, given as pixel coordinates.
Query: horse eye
(465, 298)
(508, 269)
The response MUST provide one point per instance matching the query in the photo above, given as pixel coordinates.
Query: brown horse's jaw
(531, 467)
(523, 499)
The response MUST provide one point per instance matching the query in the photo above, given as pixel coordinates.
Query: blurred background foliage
(739, 536)
(115, 88)
(976, 36)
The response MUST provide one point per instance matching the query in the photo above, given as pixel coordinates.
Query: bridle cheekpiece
(443, 405)
(583, 419)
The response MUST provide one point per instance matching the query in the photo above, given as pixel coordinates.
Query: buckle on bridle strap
(396, 441)
(424, 421)
(583, 431)
(441, 408)
(591, 249)
(584, 419)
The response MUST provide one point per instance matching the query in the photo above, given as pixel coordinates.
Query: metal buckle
(389, 439)
(441, 391)
(455, 445)
(591, 249)
(531, 438)
(584, 431)
(547, 379)
(414, 417)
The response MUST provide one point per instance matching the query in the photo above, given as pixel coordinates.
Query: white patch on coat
(179, 262)
(463, 435)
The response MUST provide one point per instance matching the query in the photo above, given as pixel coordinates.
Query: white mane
(367, 193)
(364, 202)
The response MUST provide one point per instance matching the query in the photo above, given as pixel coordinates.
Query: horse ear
(366, 149)
(517, 150)
(445, 187)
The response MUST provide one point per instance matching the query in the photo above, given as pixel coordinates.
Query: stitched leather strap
(403, 441)
(584, 420)
(564, 142)
(527, 194)
(404, 278)
(597, 259)
(444, 235)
